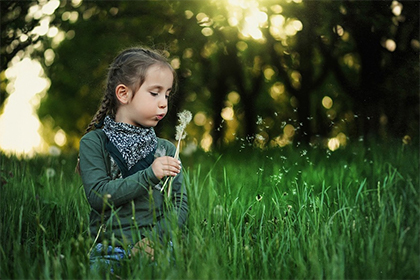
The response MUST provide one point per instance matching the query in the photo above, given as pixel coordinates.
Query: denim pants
(102, 258)
(107, 258)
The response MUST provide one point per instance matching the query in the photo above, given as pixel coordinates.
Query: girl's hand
(166, 166)
(145, 246)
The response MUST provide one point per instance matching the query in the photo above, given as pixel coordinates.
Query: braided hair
(128, 68)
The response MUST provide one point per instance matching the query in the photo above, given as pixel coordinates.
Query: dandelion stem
(184, 118)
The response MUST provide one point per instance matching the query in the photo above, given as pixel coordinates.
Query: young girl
(122, 162)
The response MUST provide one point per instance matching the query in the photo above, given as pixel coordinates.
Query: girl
(122, 162)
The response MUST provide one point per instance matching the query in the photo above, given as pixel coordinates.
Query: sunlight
(19, 123)
(253, 18)
(249, 18)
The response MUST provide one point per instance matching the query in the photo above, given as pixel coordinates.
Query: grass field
(274, 214)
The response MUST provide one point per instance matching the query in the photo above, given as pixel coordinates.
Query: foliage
(279, 214)
(306, 51)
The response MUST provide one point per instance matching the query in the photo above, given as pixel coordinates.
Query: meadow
(296, 212)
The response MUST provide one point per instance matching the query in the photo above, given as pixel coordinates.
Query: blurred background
(253, 72)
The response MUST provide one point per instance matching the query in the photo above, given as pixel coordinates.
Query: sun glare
(19, 123)
(249, 18)
(253, 18)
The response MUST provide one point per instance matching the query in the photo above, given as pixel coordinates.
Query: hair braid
(97, 118)
(100, 114)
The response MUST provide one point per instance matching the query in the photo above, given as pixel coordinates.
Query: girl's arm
(97, 182)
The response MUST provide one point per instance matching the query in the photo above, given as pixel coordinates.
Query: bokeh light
(19, 124)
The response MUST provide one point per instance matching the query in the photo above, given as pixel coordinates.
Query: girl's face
(149, 104)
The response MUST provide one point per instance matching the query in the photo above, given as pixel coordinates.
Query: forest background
(329, 90)
(265, 72)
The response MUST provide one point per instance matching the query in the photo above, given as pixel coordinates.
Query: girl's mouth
(159, 117)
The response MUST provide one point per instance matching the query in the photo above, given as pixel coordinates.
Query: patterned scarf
(134, 143)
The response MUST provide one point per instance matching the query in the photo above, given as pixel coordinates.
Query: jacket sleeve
(97, 181)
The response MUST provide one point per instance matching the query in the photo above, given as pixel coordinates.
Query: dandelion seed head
(180, 133)
(50, 172)
(218, 210)
(185, 118)
(160, 151)
(54, 151)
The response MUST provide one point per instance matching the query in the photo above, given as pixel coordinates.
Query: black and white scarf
(134, 143)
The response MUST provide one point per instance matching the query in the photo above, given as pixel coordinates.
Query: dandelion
(218, 210)
(50, 172)
(160, 151)
(189, 149)
(54, 151)
(185, 118)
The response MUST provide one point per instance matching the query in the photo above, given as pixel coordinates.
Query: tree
(386, 50)
(307, 51)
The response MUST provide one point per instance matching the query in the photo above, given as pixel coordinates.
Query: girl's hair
(128, 68)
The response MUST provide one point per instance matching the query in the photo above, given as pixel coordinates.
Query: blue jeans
(102, 258)
(106, 258)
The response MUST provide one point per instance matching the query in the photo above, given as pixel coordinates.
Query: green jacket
(127, 208)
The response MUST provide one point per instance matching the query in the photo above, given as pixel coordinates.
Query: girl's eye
(154, 93)
(167, 96)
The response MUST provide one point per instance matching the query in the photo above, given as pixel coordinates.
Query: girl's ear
(123, 93)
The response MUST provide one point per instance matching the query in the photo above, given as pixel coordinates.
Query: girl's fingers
(166, 166)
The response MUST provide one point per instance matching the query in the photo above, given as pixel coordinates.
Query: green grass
(280, 213)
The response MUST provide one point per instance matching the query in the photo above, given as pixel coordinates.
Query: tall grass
(282, 213)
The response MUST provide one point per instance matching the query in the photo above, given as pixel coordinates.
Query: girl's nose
(163, 103)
